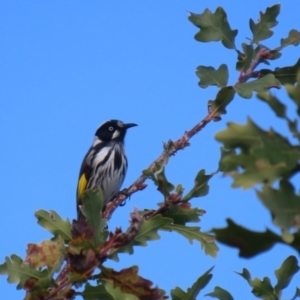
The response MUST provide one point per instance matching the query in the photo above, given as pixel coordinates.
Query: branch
(139, 184)
(262, 54)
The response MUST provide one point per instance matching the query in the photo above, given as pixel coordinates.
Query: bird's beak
(128, 125)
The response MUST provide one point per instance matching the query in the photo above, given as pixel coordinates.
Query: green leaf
(249, 243)
(214, 27)
(285, 75)
(218, 106)
(294, 92)
(96, 292)
(246, 275)
(192, 292)
(278, 107)
(193, 233)
(183, 213)
(247, 57)
(150, 175)
(246, 89)
(264, 156)
(164, 186)
(220, 294)
(283, 204)
(297, 294)
(286, 272)
(92, 201)
(211, 76)
(224, 167)
(147, 232)
(54, 223)
(117, 294)
(21, 273)
(263, 289)
(261, 29)
(292, 39)
(200, 188)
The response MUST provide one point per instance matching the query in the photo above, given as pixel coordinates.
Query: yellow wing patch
(82, 183)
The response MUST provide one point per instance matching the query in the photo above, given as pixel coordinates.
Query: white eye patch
(120, 124)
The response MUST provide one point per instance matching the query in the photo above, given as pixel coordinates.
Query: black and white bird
(105, 164)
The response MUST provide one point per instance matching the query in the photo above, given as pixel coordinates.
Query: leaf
(249, 243)
(21, 273)
(117, 293)
(147, 232)
(263, 289)
(130, 282)
(48, 254)
(183, 213)
(95, 293)
(246, 89)
(192, 292)
(283, 204)
(297, 294)
(224, 97)
(261, 29)
(220, 294)
(292, 39)
(164, 186)
(286, 272)
(92, 201)
(294, 92)
(193, 233)
(278, 107)
(246, 275)
(264, 156)
(54, 223)
(224, 167)
(285, 75)
(246, 58)
(211, 76)
(214, 27)
(200, 188)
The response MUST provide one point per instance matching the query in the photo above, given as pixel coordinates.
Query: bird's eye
(110, 128)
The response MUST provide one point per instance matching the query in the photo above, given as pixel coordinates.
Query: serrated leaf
(286, 272)
(163, 185)
(263, 289)
(183, 213)
(285, 75)
(21, 273)
(48, 253)
(210, 76)
(278, 107)
(264, 156)
(200, 188)
(294, 92)
(192, 292)
(292, 39)
(218, 106)
(92, 207)
(261, 29)
(249, 243)
(54, 223)
(147, 232)
(246, 89)
(283, 204)
(220, 294)
(193, 233)
(214, 27)
(130, 282)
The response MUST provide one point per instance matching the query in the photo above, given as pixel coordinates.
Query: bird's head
(113, 130)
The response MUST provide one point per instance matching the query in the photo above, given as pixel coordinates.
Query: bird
(105, 164)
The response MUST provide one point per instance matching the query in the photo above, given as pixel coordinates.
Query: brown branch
(139, 184)
(261, 55)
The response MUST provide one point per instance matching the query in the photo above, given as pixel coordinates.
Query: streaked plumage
(105, 164)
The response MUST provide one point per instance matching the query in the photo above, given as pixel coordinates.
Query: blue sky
(67, 66)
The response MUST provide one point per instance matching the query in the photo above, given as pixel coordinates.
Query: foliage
(252, 156)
